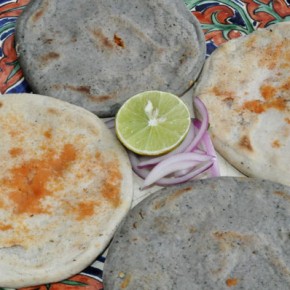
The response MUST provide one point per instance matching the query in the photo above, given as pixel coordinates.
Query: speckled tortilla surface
(97, 54)
(245, 86)
(65, 185)
(219, 233)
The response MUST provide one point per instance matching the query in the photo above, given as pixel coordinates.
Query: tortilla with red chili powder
(245, 85)
(65, 185)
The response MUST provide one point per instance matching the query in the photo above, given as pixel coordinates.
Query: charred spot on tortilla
(231, 282)
(245, 143)
(119, 41)
(282, 194)
(81, 89)
(276, 144)
(103, 40)
(115, 50)
(53, 111)
(38, 13)
(50, 56)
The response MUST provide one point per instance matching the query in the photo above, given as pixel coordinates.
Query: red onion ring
(173, 164)
(190, 175)
(110, 123)
(134, 162)
(204, 123)
(215, 171)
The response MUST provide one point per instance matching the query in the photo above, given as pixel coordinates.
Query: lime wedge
(152, 122)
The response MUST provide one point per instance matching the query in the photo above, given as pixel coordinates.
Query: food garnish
(194, 156)
(152, 123)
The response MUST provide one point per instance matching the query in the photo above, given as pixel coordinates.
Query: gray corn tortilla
(98, 53)
(245, 86)
(219, 233)
(65, 184)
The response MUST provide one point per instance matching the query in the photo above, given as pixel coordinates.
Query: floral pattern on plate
(220, 20)
(11, 77)
(78, 282)
(227, 19)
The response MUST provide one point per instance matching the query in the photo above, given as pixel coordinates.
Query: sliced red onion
(215, 170)
(204, 124)
(183, 172)
(159, 172)
(149, 161)
(199, 151)
(110, 123)
(174, 163)
(143, 173)
(166, 181)
(206, 140)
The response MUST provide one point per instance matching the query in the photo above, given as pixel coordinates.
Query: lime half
(152, 122)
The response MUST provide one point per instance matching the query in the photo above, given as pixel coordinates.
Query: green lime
(152, 122)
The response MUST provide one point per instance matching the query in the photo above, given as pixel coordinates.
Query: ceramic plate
(220, 20)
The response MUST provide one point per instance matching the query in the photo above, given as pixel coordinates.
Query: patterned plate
(221, 21)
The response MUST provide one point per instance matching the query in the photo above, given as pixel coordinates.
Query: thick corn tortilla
(218, 233)
(65, 185)
(98, 53)
(245, 86)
